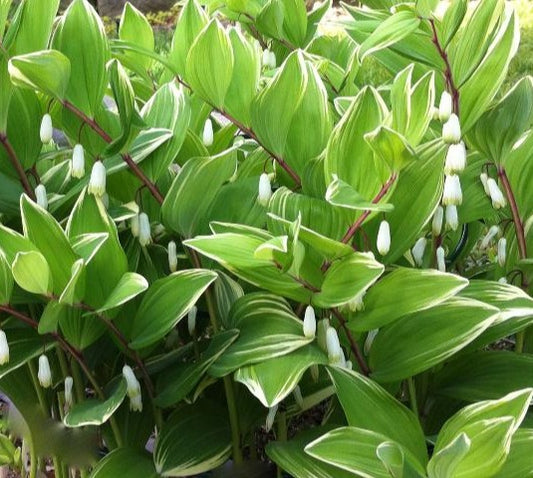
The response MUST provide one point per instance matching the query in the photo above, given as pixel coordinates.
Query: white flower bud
(191, 320)
(418, 251)
(496, 195)
(503, 280)
(455, 158)
(451, 130)
(452, 191)
(98, 179)
(436, 224)
(384, 239)
(309, 322)
(134, 225)
(207, 135)
(492, 232)
(441, 262)
(271, 417)
(335, 353)
(297, 392)
(485, 181)
(44, 374)
(133, 388)
(172, 256)
(265, 190)
(40, 195)
(445, 106)
(4, 348)
(502, 251)
(348, 365)
(357, 304)
(370, 340)
(78, 162)
(269, 59)
(145, 236)
(323, 326)
(47, 130)
(452, 218)
(69, 382)
(434, 113)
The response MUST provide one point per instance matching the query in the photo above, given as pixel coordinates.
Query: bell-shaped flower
(418, 251)
(134, 225)
(491, 234)
(44, 373)
(47, 130)
(485, 181)
(4, 348)
(145, 234)
(383, 240)
(191, 320)
(69, 382)
(77, 169)
(436, 223)
(452, 195)
(496, 195)
(357, 304)
(265, 189)
(172, 256)
(98, 179)
(322, 328)
(133, 389)
(502, 251)
(503, 280)
(451, 130)
(452, 218)
(441, 259)
(445, 106)
(309, 322)
(455, 158)
(207, 135)
(335, 353)
(40, 196)
(269, 59)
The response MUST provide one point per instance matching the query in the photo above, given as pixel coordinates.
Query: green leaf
(175, 384)
(195, 439)
(415, 290)
(518, 463)
(368, 406)
(445, 462)
(134, 28)
(96, 412)
(6, 280)
(80, 36)
(193, 190)
(452, 20)
(340, 193)
(430, 337)
(161, 308)
(391, 147)
(268, 329)
(87, 245)
(426, 7)
(129, 286)
(32, 272)
(128, 461)
(75, 288)
(274, 379)
(336, 448)
(209, 66)
(47, 71)
(51, 316)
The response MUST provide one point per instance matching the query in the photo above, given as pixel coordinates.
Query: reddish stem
(12, 155)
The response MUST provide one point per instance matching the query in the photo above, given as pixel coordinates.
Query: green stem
(37, 386)
(78, 382)
(282, 434)
(519, 346)
(412, 395)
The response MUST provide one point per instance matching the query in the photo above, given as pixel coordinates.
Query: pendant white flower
(133, 389)
(451, 130)
(335, 353)
(45, 373)
(503, 280)
(4, 348)
(445, 106)
(78, 162)
(40, 196)
(191, 320)
(47, 130)
(265, 189)
(207, 135)
(322, 329)
(384, 240)
(452, 195)
(145, 235)
(69, 382)
(491, 233)
(97, 182)
(496, 195)
(452, 218)
(309, 322)
(269, 59)
(134, 225)
(502, 251)
(485, 181)
(441, 260)
(436, 223)
(357, 304)
(418, 251)
(172, 256)
(455, 158)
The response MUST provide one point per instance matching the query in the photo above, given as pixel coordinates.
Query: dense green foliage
(238, 233)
